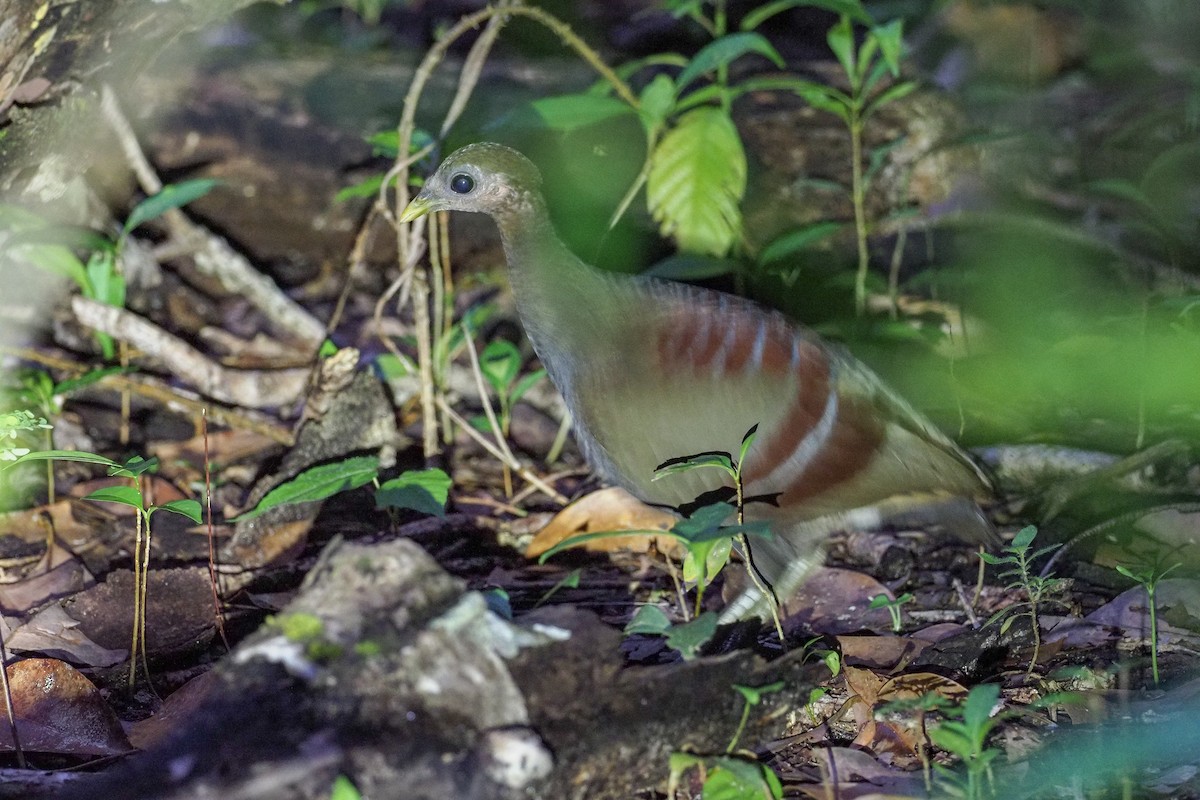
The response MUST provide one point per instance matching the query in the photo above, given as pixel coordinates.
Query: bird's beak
(417, 208)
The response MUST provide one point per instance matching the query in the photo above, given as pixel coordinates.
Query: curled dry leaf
(58, 710)
(611, 509)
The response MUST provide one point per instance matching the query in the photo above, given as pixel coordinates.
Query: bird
(654, 370)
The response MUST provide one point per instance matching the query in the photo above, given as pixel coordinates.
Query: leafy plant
(964, 733)
(731, 776)
(892, 605)
(733, 468)
(1037, 588)
(1149, 575)
(129, 495)
(500, 363)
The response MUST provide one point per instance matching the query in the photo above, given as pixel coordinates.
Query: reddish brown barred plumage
(653, 370)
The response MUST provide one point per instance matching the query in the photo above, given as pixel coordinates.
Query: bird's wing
(688, 371)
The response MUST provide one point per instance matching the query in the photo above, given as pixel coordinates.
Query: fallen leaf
(54, 632)
(58, 710)
(611, 509)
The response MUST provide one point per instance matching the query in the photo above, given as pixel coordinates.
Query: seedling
(893, 606)
(1149, 575)
(731, 775)
(132, 496)
(1037, 588)
(964, 734)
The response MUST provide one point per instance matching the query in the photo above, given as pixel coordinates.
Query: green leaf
(318, 483)
(500, 362)
(187, 508)
(656, 102)
(56, 259)
(135, 467)
(747, 443)
(648, 619)
(689, 637)
(367, 187)
(850, 8)
(841, 42)
(740, 779)
(343, 789)
(525, 384)
(124, 495)
(891, 42)
(174, 195)
(1024, 538)
(794, 241)
(705, 558)
(88, 378)
(724, 50)
(63, 455)
(423, 490)
(891, 94)
(703, 522)
(689, 463)
(697, 179)
(106, 284)
(977, 711)
(825, 98)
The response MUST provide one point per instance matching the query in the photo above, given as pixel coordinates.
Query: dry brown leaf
(879, 652)
(58, 710)
(611, 509)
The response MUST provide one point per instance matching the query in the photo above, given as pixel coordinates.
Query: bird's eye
(462, 184)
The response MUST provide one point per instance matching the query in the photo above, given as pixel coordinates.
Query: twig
(8, 703)
(966, 604)
(516, 466)
(218, 614)
(249, 388)
(168, 396)
(213, 255)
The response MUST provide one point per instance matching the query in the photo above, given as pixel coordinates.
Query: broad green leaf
(866, 55)
(977, 711)
(689, 637)
(724, 50)
(850, 8)
(689, 463)
(63, 455)
(105, 282)
(88, 378)
(697, 179)
(649, 619)
(747, 443)
(56, 259)
(174, 195)
(500, 362)
(521, 387)
(740, 779)
(891, 42)
(1024, 537)
(656, 102)
(187, 508)
(343, 789)
(368, 187)
(889, 95)
(134, 467)
(841, 42)
(423, 490)
(125, 495)
(703, 521)
(571, 112)
(318, 483)
(801, 239)
(706, 558)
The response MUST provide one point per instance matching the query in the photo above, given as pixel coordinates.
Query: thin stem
(1151, 592)
(857, 192)
(137, 606)
(8, 703)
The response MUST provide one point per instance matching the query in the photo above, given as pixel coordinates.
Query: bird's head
(486, 177)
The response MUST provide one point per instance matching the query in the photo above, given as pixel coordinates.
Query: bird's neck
(566, 306)
(549, 281)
